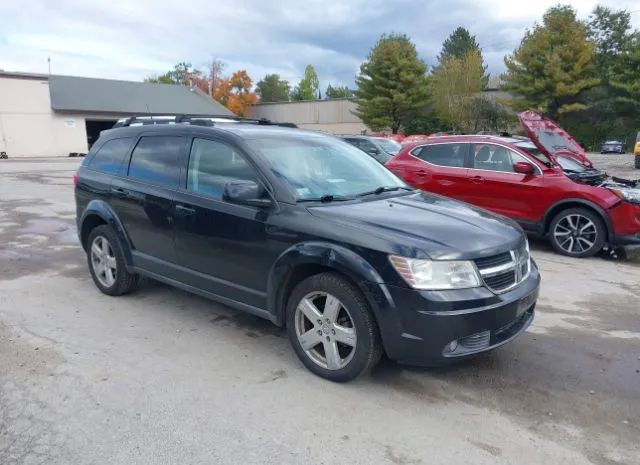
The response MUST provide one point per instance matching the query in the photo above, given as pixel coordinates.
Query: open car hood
(551, 138)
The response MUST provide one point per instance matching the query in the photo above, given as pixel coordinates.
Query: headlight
(436, 275)
(630, 195)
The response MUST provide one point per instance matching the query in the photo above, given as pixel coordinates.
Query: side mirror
(245, 193)
(523, 167)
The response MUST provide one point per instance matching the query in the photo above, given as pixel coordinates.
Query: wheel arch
(577, 203)
(99, 212)
(307, 259)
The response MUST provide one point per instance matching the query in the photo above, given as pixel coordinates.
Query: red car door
(438, 168)
(494, 184)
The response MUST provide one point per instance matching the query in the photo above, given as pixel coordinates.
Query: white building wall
(28, 125)
(334, 116)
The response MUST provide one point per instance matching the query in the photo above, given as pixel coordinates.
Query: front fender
(104, 211)
(344, 261)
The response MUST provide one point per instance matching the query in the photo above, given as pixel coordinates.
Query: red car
(513, 177)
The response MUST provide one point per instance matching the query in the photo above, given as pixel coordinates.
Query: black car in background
(308, 232)
(612, 146)
(380, 148)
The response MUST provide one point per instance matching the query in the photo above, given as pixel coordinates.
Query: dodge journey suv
(308, 232)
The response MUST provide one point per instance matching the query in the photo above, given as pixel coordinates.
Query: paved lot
(164, 377)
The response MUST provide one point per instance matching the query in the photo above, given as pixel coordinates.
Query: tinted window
(213, 164)
(155, 160)
(442, 154)
(109, 157)
(495, 158)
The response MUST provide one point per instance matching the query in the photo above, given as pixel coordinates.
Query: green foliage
(553, 66)
(309, 86)
(613, 106)
(458, 44)
(488, 115)
(273, 89)
(392, 83)
(338, 92)
(180, 75)
(423, 121)
(454, 87)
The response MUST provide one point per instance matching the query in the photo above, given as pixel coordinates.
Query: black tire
(637, 161)
(125, 282)
(598, 237)
(368, 347)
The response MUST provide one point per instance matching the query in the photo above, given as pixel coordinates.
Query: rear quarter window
(155, 160)
(109, 157)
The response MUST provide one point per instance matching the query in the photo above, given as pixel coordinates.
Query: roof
(81, 94)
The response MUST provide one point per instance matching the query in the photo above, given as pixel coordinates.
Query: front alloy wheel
(577, 233)
(325, 330)
(332, 328)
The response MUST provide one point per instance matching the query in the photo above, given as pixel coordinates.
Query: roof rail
(196, 120)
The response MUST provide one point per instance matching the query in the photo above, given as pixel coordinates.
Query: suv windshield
(316, 167)
(534, 151)
(389, 146)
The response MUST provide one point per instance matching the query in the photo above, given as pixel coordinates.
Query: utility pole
(49, 64)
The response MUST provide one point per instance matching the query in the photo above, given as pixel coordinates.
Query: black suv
(308, 232)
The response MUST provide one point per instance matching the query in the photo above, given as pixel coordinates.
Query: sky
(131, 40)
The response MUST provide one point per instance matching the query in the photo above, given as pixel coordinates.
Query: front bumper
(418, 327)
(625, 220)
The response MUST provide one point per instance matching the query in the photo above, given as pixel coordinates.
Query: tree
(180, 75)
(627, 83)
(457, 45)
(611, 33)
(309, 86)
(454, 86)
(273, 89)
(338, 92)
(391, 84)
(235, 93)
(553, 66)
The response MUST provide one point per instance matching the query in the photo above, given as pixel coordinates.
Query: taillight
(75, 179)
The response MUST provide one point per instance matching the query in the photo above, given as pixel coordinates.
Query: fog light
(453, 345)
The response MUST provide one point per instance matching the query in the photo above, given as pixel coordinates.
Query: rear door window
(155, 160)
(110, 155)
(452, 155)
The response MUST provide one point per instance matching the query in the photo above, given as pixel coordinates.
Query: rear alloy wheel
(577, 232)
(107, 264)
(332, 329)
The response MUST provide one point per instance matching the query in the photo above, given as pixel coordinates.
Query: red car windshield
(534, 151)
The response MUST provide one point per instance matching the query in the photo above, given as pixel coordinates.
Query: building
(48, 115)
(334, 116)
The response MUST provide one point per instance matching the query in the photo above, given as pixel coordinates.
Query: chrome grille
(506, 270)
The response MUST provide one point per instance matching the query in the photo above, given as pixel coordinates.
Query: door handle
(477, 179)
(185, 210)
(119, 191)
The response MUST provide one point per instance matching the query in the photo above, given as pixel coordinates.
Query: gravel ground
(161, 376)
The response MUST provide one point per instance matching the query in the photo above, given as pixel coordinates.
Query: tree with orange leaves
(235, 93)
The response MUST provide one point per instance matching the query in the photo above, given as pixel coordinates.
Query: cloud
(131, 40)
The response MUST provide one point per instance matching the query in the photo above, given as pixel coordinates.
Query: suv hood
(423, 225)
(551, 138)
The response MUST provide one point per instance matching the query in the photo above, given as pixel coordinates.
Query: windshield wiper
(381, 189)
(327, 198)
